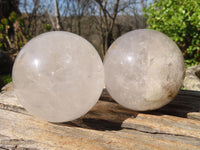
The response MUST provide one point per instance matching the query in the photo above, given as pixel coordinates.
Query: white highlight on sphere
(144, 70)
(58, 76)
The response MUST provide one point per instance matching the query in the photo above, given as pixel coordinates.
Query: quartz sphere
(144, 70)
(58, 76)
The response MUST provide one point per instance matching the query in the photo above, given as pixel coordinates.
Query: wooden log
(194, 115)
(108, 126)
(164, 124)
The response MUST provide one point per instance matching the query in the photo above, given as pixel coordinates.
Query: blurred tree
(80, 9)
(57, 14)
(10, 34)
(53, 11)
(74, 12)
(11, 24)
(108, 11)
(99, 21)
(6, 8)
(32, 12)
(180, 20)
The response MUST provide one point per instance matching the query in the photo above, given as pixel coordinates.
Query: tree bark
(57, 15)
(107, 23)
(143, 4)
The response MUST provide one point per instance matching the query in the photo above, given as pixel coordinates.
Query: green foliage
(4, 21)
(12, 17)
(18, 39)
(20, 20)
(180, 20)
(1, 27)
(6, 79)
(47, 27)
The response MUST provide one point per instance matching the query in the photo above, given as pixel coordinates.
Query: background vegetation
(180, 20)
(99, 21)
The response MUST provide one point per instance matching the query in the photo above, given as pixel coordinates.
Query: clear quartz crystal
(58, 76)
(144, 70)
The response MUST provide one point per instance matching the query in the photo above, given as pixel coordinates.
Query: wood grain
(194, 115)
(108, 126)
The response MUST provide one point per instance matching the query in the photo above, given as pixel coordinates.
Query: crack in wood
(13, 108)
(160, 133)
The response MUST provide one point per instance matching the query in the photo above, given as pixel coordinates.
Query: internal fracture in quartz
(144, 70)
(58, 76)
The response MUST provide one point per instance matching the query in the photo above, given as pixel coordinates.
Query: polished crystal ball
(58, 76)
(144, 70)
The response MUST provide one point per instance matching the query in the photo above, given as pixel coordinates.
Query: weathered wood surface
(194, 115)
(107, 126)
